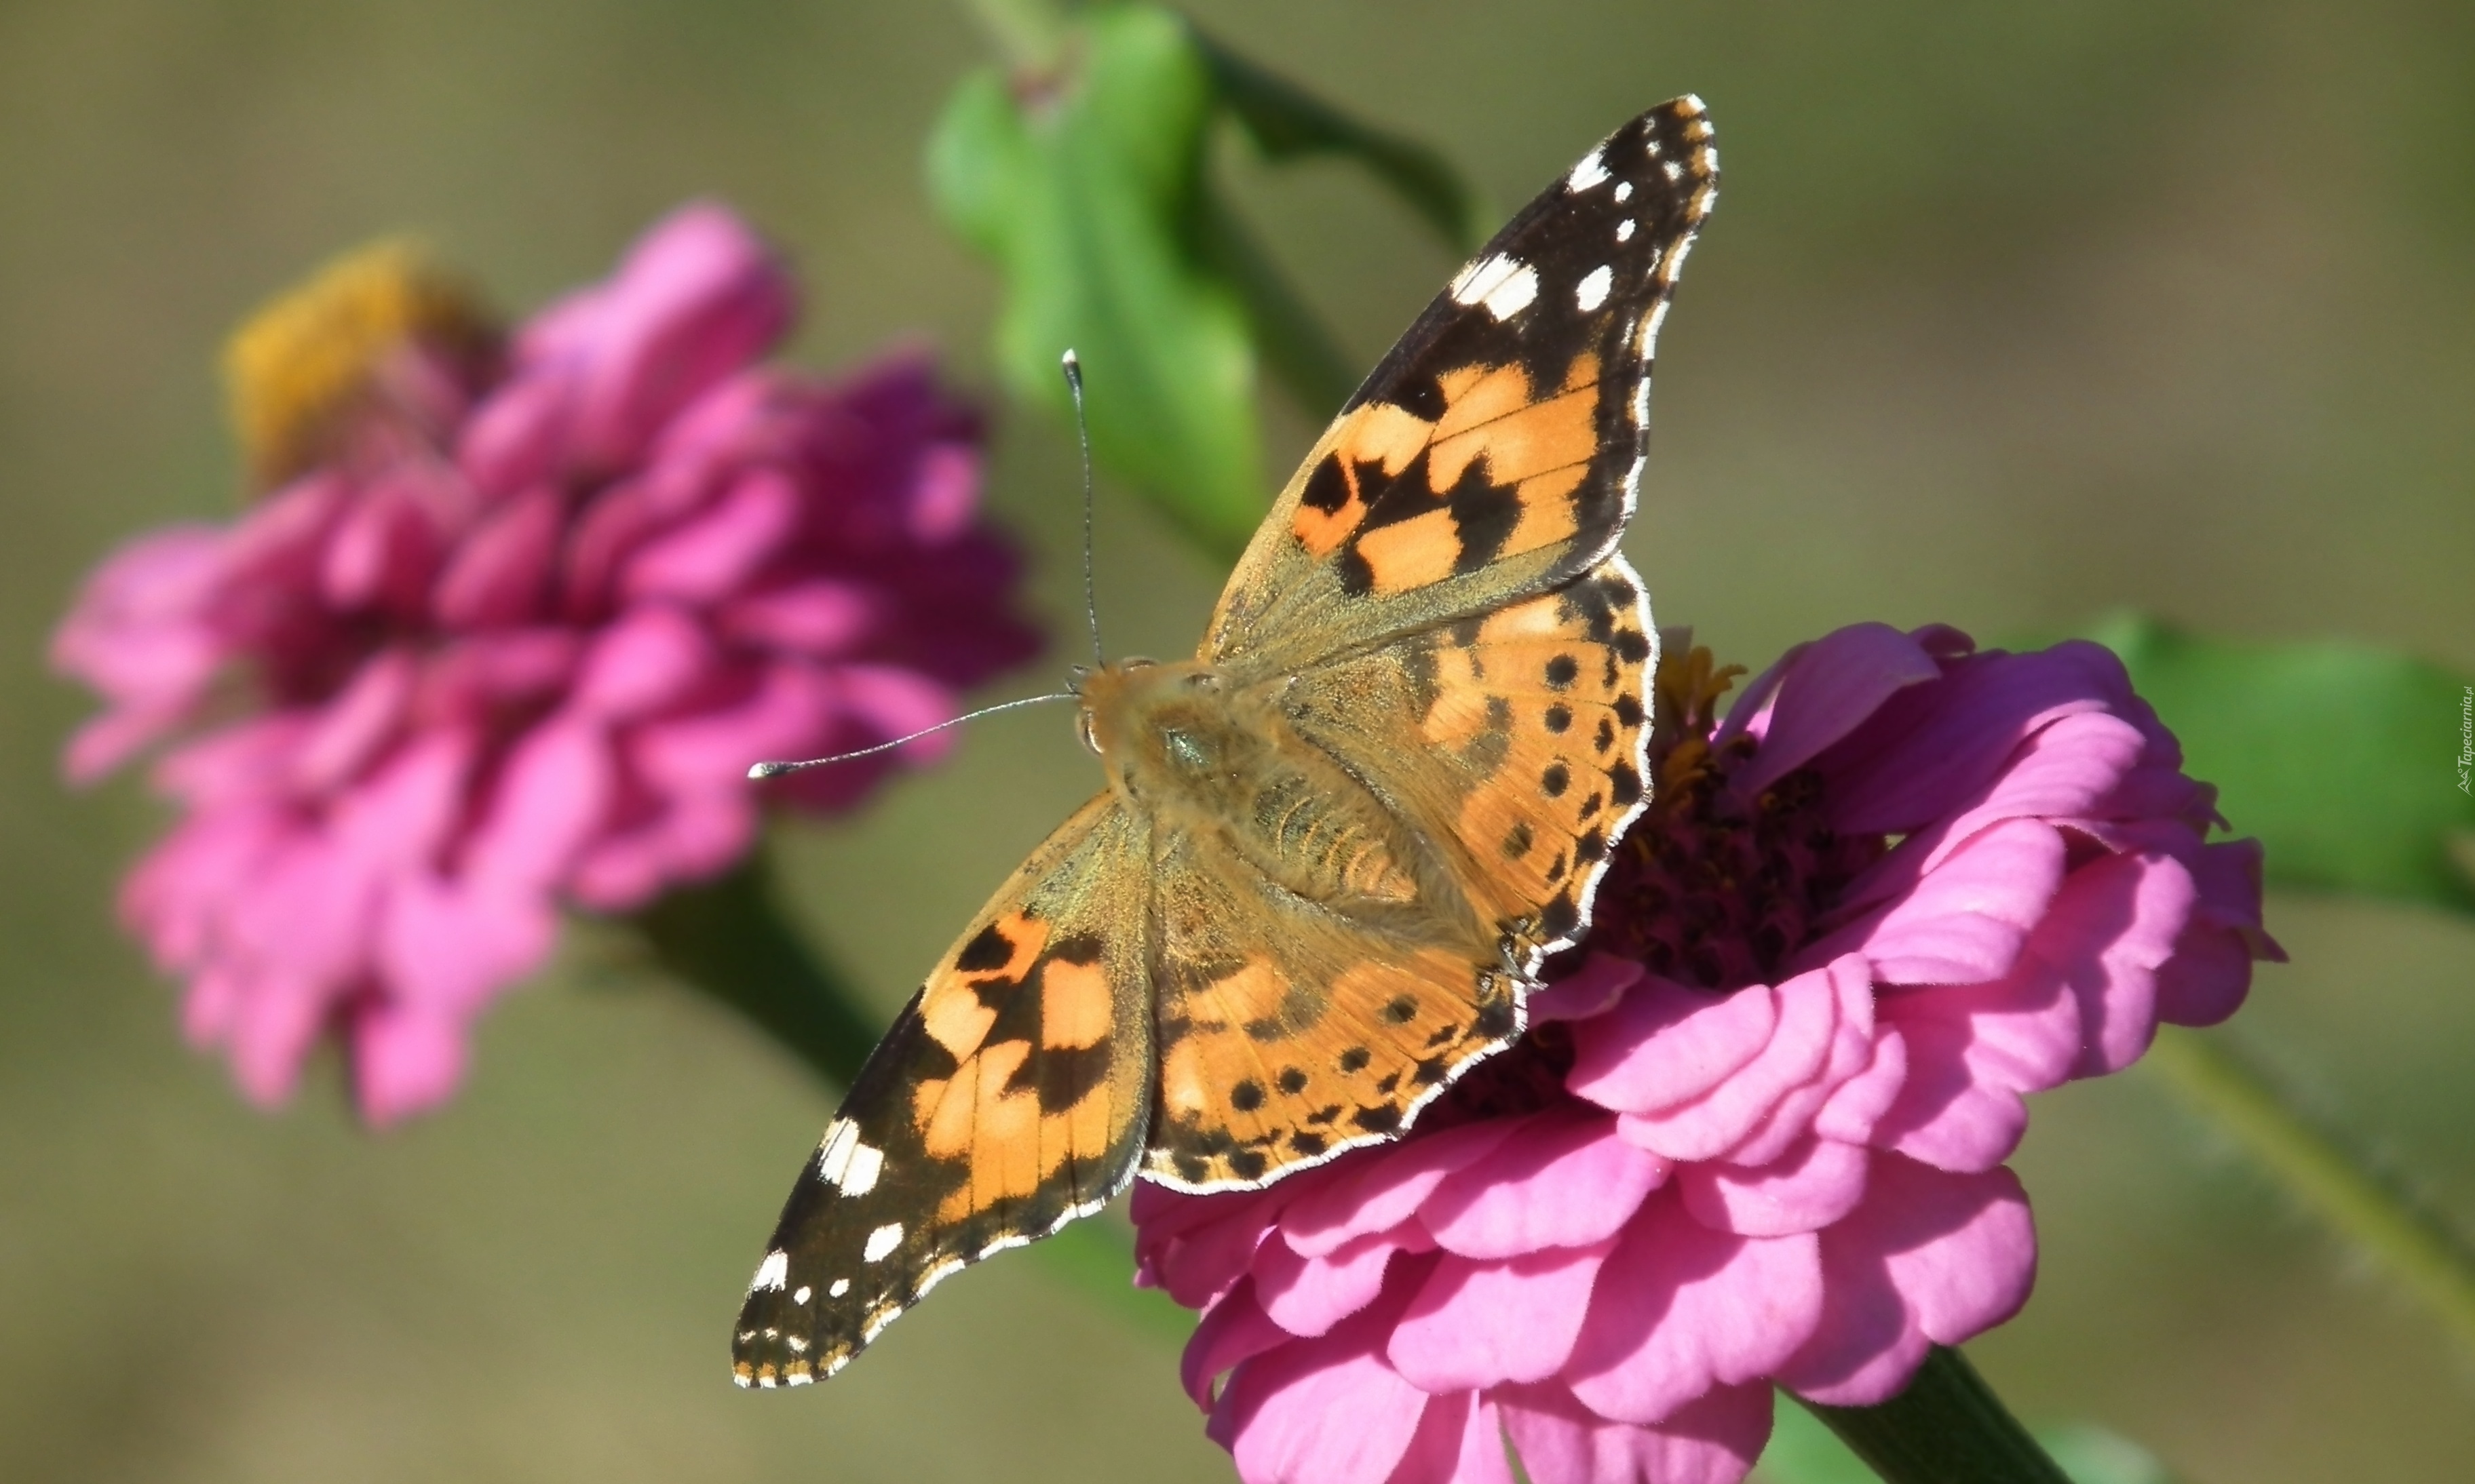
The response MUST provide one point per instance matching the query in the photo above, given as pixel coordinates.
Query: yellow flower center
(303, 367)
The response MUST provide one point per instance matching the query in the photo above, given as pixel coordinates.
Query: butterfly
(1338, 843)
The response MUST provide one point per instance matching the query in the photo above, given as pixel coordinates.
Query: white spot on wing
(866, 1160)
(840, 1287)
(764, 1381)
(1590, 172)
(883, 1240)
(800, 1378)
(803, 1294)
(1624, 191)
(834, 1156)
(1592, 291)
(771, 1272)
(1625, 229)
(1481, 278)
(798, 1347)
(1503, 283)
(1674, 170)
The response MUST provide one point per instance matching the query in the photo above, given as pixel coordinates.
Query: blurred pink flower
(508, 633)
(1754, 1135)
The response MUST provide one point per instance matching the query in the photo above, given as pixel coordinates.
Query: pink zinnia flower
(506, 631)
(1754, 1135)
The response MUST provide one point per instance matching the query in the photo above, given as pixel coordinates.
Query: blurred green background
(2009, 315)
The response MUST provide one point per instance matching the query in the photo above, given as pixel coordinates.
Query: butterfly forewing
(1495, 452)
(1011, 1096)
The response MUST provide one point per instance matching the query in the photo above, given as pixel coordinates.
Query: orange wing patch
(1403, 491)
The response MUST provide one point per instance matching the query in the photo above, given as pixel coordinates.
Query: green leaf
(2344, 759)
(1287, 122)
(1086, 189)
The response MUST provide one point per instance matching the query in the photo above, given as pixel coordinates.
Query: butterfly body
(1335, 845)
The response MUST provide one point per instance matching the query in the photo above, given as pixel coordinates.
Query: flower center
(1711, 888)
(313, 364)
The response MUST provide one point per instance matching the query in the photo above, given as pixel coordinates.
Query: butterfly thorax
(1207, 756)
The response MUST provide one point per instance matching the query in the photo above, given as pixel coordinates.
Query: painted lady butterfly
(1338, 843)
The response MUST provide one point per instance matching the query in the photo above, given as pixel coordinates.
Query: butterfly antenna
(762, 770)
(1073, 366)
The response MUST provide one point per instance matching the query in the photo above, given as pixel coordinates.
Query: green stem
(726, 937)
(1948, 1427)
(2318, 1163)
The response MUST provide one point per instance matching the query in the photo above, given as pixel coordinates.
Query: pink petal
(1474, 1325)
(1597, 987)
(1326, 1411)
(1680, 1308)
(698, 298)
(1852, 1052)
(1816, 1184)
(278, 1013)
(250, 761)
(775, 716)
(2207, 979)
(404, 1060)
(1798, 1052)
(652, 658)
(1859, 1103)
(1234, 1330)
(406, 813)
(1965, 922)
(357, 723)
(1711, 1439)
(1937, 747)
(552, 796)
(501, 574)
(2115, 923)
(2066, 772)
(1825, 689)
(824, 618)
(1198, 1263)
(386, 549)
(1565, 1181)
(1378, 1194)
(1307, 1296)
(1459, 1441)
(714, 556)
(448, 948)
(1930, 1258)
(945, 492)
(1669, 1043)
(176, 898)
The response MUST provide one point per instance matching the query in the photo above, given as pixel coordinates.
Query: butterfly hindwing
(1496, 451)
(1291, 1029)
(1011, 1096)
(1529, 758)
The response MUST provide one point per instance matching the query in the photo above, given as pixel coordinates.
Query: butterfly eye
(1083, 728)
